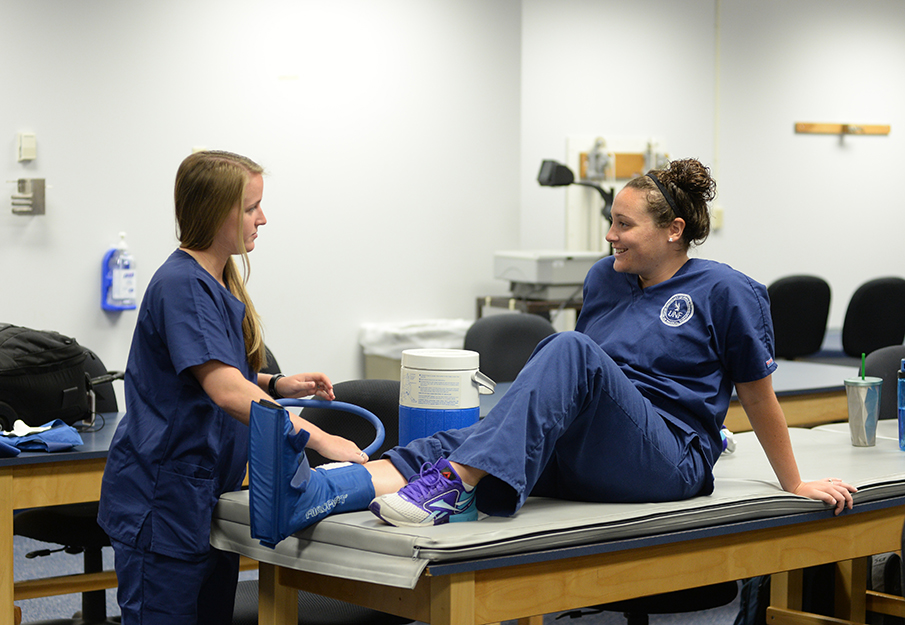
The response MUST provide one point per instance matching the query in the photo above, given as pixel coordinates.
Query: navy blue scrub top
(175, 451)
(685, 341)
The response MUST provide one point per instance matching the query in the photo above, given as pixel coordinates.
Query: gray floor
(61, 563)
(63, 606)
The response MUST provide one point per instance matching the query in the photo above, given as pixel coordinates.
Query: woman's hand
(306, 385)
(831, 490)
(769, 424)
(340, 449)
(328, 445)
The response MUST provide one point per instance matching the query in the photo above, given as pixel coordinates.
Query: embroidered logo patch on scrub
(677, 310)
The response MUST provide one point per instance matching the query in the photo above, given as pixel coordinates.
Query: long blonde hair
(210, 185)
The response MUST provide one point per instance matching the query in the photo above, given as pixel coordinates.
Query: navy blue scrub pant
(154, 589)
(571, 426)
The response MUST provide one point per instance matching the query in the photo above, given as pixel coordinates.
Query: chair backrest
(884, 363)
(875, 316)
(378, 396)
(506, 341)
(270, 366)
(800, 307)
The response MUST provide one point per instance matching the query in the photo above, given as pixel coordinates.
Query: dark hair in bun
(690, 186)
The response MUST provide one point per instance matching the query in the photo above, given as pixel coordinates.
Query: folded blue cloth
(59, 437)
(7, 450)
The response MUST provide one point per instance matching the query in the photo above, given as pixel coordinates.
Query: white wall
(812, 203)
(389, 129)
(725, 81)
(607, 68)
(403, 140)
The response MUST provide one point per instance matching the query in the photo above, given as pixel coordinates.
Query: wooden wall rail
(841, 129)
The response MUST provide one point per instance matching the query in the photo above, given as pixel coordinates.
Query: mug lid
(865, 381)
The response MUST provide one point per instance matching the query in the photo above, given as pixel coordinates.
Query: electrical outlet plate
(716, 217)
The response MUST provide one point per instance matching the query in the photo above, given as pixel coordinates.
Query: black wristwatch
(272, 386)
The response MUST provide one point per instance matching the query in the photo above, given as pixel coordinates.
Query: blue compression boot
(285, 494)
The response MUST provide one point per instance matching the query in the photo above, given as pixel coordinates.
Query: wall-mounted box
(26, 146)
(30, 197)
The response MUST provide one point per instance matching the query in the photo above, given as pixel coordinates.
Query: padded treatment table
(887, 429)
(558, 555)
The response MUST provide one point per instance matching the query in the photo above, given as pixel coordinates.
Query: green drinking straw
(862, 365)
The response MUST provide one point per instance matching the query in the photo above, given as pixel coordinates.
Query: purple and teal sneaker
(436, 496)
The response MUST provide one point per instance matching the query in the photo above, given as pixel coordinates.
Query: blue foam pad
(275, 455)
(284, 494)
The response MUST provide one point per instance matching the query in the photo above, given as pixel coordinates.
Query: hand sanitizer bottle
(118, 277)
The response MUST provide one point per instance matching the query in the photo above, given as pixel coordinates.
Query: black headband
(669, 198)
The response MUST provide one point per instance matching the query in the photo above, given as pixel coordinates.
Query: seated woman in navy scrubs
(191, 378)
(628, 407)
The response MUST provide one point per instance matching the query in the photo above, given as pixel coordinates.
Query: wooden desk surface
(810, 394)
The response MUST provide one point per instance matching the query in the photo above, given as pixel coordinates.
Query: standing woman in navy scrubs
(190, 381)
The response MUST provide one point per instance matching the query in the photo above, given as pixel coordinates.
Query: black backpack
(42, 377)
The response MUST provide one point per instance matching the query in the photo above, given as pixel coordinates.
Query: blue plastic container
(439, 390)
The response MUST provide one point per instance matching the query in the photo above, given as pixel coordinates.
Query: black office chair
(637, 611)
(800, 307)
(884, 363)
(875, 316)
(505, 342)
(382, 398)
(378, 396)
(270, 364)
(74, 526)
